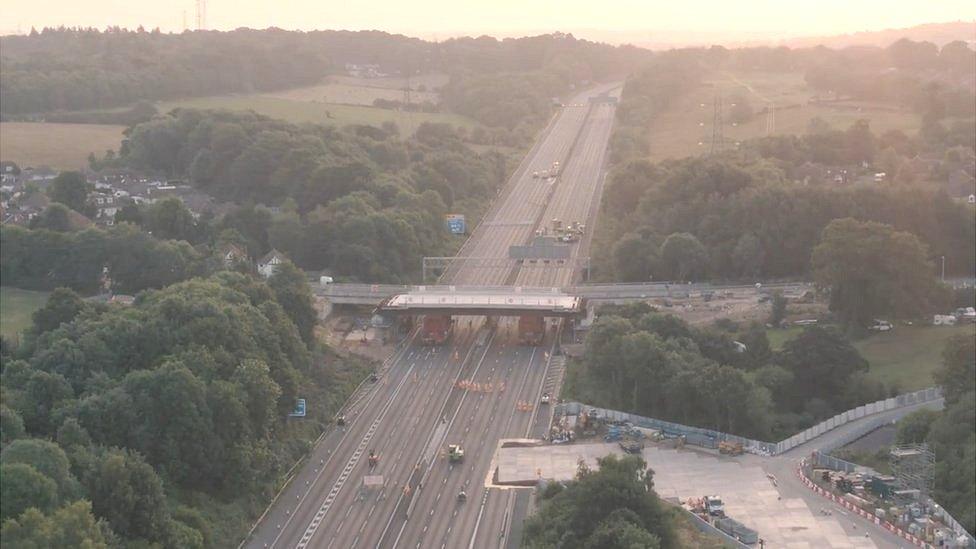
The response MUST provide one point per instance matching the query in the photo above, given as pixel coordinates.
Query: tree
(748, 255)
(683, 256)
(170, 219)
(261, 395)
(873, 270)
(62, 306)
(70, 526)
(777, 309)
(71, 189)
(126, 492)
(291, 290)
(22, 487)
(633, 258)
(822, 362)
(47, 458)
(915, 427)
(56, 217)
(612, 505)
(957, 376)
(11, 425)
(758, 352)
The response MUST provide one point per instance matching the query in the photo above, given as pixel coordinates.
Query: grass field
(429, 81)
(320, 113)
(357, 91)
(60, 146)
(903, 358)
(906, 357)
(677, 131)
(16, 307)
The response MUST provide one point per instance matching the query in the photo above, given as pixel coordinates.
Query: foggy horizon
(619, 22)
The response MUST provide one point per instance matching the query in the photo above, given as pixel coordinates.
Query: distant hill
(937, 33)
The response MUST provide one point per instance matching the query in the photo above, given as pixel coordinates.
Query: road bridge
(374, 294)
(510, 303)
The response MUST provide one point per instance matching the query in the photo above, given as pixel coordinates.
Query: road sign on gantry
(456, 223)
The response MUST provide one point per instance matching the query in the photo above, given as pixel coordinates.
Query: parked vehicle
(966, 314)
(880, 326)
(714, 506)
(944, 320)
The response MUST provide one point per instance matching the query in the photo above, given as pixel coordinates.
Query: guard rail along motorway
(373, 294)
(708, 438)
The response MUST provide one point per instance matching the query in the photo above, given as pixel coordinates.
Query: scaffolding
(914, 466)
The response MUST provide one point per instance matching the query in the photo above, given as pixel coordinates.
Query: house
(9, 171)
(268, 265)
(232, 255)
(106, 206)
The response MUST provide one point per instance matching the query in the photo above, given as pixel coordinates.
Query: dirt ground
(739, 307)
(341, 332)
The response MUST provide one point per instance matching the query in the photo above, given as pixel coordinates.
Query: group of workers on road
(487, 387)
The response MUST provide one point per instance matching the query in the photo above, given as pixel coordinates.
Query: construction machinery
(455, 454)
(531, 329)
(631, 446)
(437, 329)
(714, 506)
(730, 448)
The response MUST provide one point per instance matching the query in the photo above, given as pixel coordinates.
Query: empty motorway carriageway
(479, 385)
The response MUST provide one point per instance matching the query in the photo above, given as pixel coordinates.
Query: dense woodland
(749, 215)
(161, 423)
(656, 365)
(360, 201)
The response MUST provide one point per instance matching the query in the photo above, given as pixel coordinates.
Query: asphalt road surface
(468, 392)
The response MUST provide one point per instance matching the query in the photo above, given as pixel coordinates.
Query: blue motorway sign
(299, 409)
(455, 224)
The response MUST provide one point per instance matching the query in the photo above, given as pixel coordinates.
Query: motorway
(417, 407)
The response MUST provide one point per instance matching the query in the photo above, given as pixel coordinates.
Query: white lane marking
(347, 470)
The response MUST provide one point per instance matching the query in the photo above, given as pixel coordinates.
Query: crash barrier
(707, 438)
(908, 399)
(697, 436)
(822, 459)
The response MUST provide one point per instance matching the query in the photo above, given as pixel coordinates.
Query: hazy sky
(723, 18)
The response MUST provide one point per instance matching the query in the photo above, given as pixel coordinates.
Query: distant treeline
(70, 69)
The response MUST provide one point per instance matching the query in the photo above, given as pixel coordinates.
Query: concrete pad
(748, 494)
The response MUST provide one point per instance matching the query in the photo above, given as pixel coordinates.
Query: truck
(714, 506)
(531, 329)
(455, 454)
(437, 329)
